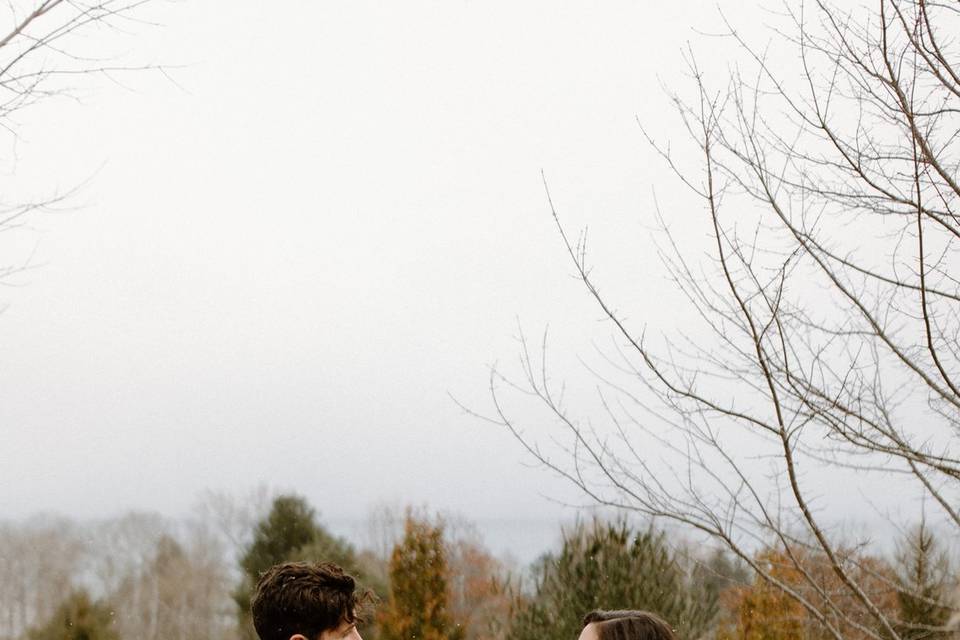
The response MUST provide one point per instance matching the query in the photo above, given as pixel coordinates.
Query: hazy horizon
(281, 267)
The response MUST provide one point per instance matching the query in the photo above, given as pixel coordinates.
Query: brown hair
(629, 625)
(303, 597)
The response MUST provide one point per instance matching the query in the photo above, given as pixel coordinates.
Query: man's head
(625, 625)
(305, 601)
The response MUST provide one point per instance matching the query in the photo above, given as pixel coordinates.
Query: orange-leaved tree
(418, 604)
(800, 583)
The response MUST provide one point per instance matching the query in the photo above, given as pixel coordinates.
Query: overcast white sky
(283, 266)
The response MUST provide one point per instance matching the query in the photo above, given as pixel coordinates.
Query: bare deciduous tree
(828, 308)
(160, 578)
(46, 48)
(181, 593)
(40, 561)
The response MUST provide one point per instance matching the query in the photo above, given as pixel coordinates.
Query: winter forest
(429, 575)
(680, 281)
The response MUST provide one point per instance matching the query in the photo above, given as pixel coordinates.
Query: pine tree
(79, 618)
(289, 533)
(924, 576)
(418, 604)
(611, 566)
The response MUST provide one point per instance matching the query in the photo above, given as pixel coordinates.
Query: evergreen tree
(79, 618)
(418, 604)
(611, 566)
(924, 576)
(289, 533)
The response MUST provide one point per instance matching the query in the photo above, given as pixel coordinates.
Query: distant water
(520, 541)
(524, 540)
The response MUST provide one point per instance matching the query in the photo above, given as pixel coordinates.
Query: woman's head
(625, 625)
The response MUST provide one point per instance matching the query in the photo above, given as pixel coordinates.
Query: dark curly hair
(629, 625)
(304, 597)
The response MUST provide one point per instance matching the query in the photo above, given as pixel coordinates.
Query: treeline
(431, 577)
